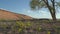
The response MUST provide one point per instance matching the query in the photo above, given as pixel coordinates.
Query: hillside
(7, 15)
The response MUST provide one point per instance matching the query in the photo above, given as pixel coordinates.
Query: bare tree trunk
(54, 11)
(53, 17)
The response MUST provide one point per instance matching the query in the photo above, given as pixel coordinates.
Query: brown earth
(7, 15)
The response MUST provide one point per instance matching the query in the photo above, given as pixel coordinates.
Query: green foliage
(25, 26)
(48, 32)
(28, 24)
(22, 26)
(36, 4)
(39, 29)
(20, 29)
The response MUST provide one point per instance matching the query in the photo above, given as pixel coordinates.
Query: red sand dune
(7, 15)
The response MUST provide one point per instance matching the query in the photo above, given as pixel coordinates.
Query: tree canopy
(52, 5)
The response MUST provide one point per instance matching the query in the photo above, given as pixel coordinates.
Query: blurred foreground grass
(31, 27)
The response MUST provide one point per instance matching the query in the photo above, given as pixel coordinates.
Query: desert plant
(48, 32)
(21, 26)
(38, 29)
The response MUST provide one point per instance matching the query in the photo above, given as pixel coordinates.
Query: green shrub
(39, 29)
(22, 26)
(48, 32)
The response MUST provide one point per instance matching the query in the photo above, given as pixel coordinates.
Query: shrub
(21, 26)
(39, 29)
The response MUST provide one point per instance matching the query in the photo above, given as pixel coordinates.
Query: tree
(50, 4)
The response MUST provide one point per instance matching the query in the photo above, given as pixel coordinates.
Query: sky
(23, 7)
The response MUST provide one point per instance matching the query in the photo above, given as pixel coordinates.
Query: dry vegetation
(31, 27)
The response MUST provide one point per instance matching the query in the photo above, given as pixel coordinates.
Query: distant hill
(7, 15)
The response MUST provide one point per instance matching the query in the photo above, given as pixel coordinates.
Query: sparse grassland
(30, 27)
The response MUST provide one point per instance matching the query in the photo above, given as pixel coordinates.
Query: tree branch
(49, 7)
